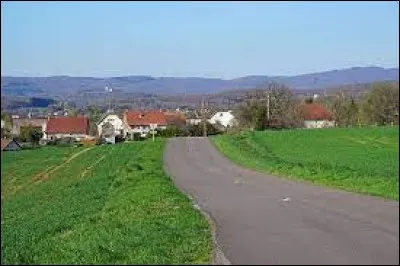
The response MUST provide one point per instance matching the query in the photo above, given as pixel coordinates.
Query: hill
(64, 85)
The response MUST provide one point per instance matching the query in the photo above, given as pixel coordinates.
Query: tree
(275, 107)
(94, 117)
(170, 131)
(30, 134)
(35, 136)
(381, 104)
(6, 129)
(345, 110)
(72, 112)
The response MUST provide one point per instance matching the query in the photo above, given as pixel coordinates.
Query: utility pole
(268, 103)
(204, 118)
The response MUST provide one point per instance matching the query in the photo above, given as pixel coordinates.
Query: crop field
(364, 160)
(100, 205)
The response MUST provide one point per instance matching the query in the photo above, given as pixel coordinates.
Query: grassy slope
(122, 210)
(359, 160)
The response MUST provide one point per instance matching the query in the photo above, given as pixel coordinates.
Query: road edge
(217, 257)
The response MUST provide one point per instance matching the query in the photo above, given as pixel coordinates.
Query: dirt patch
(87, 169)
(45, 174)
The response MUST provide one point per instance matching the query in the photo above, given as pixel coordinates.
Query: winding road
(262, 219)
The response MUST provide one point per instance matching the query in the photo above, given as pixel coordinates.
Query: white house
(118, 126)
(224, 118)
(317, 116)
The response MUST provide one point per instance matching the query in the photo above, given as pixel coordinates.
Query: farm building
(61, 127)
(317, 116)
(20, 123)
(139, 122)
(10, 145)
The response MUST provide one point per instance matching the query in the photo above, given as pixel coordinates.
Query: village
(113, 127)
(110, 128)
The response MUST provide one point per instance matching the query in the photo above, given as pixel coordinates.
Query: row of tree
(277, 107)
(274, 107)
(378, 106)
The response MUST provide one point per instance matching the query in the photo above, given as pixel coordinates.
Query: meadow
(109, 204)
(364, 160)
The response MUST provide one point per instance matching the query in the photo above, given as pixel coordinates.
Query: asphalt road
(262, 219)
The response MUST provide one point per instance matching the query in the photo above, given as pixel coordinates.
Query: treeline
(378, 106)
(277, 107)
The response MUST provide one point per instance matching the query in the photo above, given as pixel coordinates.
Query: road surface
(262, 219)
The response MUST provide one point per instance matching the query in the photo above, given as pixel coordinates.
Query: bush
(67, 141)
(137, 137)
(30, 134)
(170, 131)
(119, 138)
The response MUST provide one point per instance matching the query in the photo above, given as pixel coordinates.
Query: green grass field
(106, 205)
(364, 160)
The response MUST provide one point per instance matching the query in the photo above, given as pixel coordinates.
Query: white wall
(76, 136)
(224, 118)
(193, 121)
(318, 123)
(144, 129)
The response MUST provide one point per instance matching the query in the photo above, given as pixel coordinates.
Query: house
(226, 119)
(111, 125)
(116, 125)
(317, 116)
(20, 123)
(193, 117)
(10, 145)
(140, 122)
(60, 127)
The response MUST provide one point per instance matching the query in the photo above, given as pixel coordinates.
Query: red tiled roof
(314, 111)
(175, 118)
(137, 118)
(68, 125)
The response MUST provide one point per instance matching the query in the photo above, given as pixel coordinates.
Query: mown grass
(110, 205)
(364, 160)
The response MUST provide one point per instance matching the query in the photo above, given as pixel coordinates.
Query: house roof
(175, 118)
(314, 111)
(5, 142)
(107, 114)
(138, 118)
(68, 125)
(35, 122)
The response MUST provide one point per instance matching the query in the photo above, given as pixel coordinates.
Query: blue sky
(197, 39)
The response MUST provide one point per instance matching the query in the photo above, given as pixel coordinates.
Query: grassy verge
(110, 205)
(362, 160)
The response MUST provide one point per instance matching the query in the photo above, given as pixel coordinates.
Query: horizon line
(183, 77)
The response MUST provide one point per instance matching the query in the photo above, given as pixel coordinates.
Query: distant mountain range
(63, 85)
